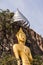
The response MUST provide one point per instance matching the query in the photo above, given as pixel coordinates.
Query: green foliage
(8, 60)
(38, 60)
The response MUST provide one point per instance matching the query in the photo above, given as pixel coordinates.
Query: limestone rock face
(8, 31)
(35, 41)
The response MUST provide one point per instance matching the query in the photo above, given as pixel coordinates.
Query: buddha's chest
(23, 50)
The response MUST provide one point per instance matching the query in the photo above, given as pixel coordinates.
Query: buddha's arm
(30, 55)
(15, 50)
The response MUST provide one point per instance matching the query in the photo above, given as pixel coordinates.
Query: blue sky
(32, 10)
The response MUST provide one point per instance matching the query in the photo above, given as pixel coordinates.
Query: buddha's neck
(22, 43)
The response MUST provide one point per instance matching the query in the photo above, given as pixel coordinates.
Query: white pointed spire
(18, 16)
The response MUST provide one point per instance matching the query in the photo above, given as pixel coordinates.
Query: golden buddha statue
(22, 51)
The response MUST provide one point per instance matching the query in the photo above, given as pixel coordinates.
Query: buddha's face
(21, 36)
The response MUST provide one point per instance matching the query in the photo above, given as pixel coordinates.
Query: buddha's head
(21, 36)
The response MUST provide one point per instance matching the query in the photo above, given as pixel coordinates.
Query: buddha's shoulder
(15, 45)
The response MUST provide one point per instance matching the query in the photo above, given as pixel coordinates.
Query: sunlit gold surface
(20, 50)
